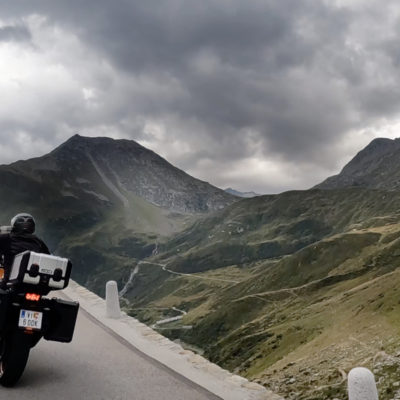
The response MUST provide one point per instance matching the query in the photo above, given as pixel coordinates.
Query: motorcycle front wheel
(14, 353)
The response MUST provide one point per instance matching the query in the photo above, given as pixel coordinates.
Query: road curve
(192, 275)
(98, 365)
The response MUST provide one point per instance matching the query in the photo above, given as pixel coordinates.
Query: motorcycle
(27, 315)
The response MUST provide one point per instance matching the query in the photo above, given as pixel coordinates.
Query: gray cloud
(214, 84)
(17, 33)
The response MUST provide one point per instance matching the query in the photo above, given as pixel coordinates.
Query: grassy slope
(274, 245)
(102, 238)
(110, 249)
(273, 226)
(310, 315)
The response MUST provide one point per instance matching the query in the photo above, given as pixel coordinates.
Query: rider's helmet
(23, 223)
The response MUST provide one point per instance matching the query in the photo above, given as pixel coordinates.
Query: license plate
(30, 319)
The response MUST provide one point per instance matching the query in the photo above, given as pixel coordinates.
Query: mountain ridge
(264, 282)
(377, 166)
(130, 167)
(103, 201)
(278, 285)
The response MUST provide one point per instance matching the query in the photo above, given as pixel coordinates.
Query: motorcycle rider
(27, 317)
(20, 239)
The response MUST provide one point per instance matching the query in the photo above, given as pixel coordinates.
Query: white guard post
(112, 300)
(361, 384)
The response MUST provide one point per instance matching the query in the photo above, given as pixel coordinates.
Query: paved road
(97, 365)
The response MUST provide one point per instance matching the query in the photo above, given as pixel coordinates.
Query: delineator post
(112, 300)
(361, 384)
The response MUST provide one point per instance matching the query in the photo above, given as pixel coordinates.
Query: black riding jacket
(12, 244)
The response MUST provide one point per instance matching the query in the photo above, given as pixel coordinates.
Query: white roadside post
(361, 384)
(112, 300)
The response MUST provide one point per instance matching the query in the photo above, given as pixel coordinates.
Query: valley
(290, 290)
(268, 318)
(299, 340)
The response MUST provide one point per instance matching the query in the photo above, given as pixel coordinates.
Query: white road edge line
(184, 362)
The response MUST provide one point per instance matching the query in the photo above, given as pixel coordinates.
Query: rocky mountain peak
(376, 166)
(106, 145)
(372, 153)
(102, 165)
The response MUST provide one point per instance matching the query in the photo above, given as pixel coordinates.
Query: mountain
(376, 166)
(241, 194)
(103, 201)
(90, 176)
(121, 168)
(290, 290)
(267, 227)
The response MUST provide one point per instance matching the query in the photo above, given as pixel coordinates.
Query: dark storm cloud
(282, 80)
(249, 50)
(14, 33)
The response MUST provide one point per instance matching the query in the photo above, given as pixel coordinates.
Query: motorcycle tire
(14, 353)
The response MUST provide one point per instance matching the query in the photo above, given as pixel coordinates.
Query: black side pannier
(5, 302)
(62, 319)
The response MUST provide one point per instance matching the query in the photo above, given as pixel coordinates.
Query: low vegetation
(297, 322)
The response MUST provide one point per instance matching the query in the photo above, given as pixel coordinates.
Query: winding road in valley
(170, 319)
(135, 271)
(164, 268)
(128, 285)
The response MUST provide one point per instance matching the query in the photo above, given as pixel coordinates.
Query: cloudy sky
(263, 95)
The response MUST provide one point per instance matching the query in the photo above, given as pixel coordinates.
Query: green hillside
(104, 203)
(291, 290)
(278, 317)
(273, 226)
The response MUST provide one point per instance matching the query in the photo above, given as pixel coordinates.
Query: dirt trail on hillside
(316, 284)
(164, 268)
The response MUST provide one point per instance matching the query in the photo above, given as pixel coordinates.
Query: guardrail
(360, 381)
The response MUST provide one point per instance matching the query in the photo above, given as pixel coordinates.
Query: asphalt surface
(97, 364)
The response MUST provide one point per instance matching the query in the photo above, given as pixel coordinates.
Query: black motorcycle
(27, 315)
